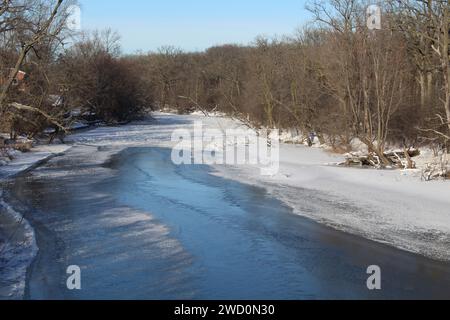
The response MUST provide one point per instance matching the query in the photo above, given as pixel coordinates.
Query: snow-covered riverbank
(26, 161)
(17, 239)
(387, 206)
(17, 250)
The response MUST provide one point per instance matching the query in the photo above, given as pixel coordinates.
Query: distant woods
(335, 77)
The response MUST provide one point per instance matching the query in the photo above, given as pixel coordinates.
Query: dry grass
(22, 146)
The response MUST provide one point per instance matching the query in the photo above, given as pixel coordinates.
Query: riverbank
(17, 238)
(393, 207)
(386, 206)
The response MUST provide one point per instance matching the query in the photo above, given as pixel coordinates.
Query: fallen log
(396, 158)
(402, 153)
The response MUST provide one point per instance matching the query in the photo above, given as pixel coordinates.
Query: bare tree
(28, 24)
(426, 26)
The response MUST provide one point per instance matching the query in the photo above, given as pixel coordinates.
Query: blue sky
(192, 24)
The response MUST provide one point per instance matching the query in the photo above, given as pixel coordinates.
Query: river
(142, 228)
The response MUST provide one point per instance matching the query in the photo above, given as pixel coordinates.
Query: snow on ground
(24, 161)
(386, 206)
(17, 239)
(17, 250)
(389, 206)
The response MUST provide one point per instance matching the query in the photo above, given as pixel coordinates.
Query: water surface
(143, 228)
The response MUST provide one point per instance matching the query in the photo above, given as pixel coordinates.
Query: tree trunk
(445, 56)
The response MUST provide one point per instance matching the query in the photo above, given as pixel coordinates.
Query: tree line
(335, 77)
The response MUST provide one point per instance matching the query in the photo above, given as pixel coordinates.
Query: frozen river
(140, 227)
